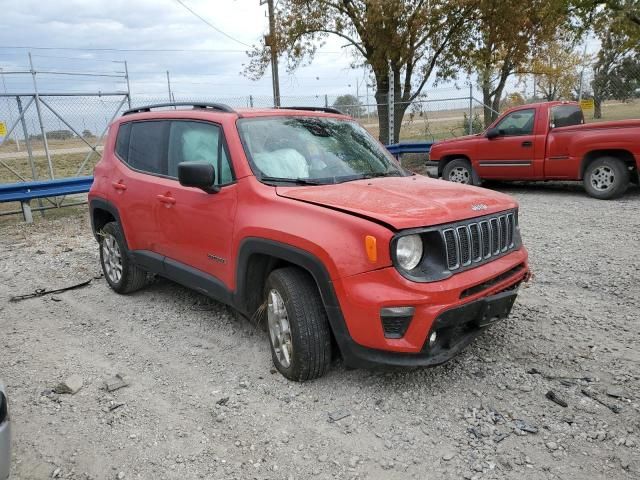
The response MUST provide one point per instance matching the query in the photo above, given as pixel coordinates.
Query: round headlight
(409, 251)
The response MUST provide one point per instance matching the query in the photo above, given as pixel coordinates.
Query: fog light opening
(433, 338)
(396, 320)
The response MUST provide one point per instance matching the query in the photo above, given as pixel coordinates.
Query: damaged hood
(404, 202)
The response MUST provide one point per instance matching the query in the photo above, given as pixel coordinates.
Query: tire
(304, 351)
(606, 178)
(459, 170)
(122, 275)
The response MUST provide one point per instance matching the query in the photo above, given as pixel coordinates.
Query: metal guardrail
(24, 192)
(397, 149)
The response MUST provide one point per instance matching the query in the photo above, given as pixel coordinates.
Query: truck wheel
(606, 178)
(121, 273)
(460, 170)
(298, 327)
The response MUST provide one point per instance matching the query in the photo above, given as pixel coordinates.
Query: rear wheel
(606, 178)
(299, 332)
(121, 273)
(460, 170)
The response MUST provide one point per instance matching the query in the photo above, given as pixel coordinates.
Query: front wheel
(299, 332)
(460, 170)
(606, 178)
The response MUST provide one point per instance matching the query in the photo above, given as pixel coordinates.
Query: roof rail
(220, 107)
(315, 109)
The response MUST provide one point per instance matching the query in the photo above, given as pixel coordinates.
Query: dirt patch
(201, 400)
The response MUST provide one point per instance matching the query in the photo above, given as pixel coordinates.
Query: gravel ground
(203, 401)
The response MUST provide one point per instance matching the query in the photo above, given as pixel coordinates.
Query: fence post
(470, 107)
(27, 143)
(39, 112)
(326, 101)
(392, 112)
(126, 75)
(251, 101)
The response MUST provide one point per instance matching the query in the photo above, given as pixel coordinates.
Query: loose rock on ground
(202, 400)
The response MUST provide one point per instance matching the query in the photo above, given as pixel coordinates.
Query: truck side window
(516, 123)
(566, 116)
(191, 141)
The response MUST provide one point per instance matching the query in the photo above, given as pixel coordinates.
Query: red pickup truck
(546, 141)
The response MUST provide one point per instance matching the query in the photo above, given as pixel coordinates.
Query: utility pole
(391, 107)
(584, 59)
(270, 40)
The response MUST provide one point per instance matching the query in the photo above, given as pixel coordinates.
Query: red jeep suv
(299, 219)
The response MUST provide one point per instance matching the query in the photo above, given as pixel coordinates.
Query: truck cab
(545, 141)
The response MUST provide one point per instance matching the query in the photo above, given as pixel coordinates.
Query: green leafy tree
(350, 105)
(616, 71)
(420, 41)
(556, 70)
(507, 35)
(629, 9)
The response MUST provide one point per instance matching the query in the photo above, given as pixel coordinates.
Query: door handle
(527, 143)
(119, 186)
(166, 199)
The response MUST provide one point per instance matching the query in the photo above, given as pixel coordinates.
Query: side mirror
(200, 175)
(492, 133)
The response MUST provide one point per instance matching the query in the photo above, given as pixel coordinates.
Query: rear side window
(191, 141)
(122, 141)
(147, 147)
(566, 116)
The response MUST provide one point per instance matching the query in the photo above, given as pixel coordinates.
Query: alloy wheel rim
(459, 175)
(279, 328)
(112, 258)
(602, 178)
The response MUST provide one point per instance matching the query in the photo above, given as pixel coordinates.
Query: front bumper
(455, 329)
(454, 307)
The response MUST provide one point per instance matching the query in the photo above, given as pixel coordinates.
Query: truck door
(511, 154)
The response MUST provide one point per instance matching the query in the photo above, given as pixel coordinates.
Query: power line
(148, 50)
(211, 25)
(144, 50)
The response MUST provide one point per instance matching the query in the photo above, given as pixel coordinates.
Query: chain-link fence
(75, 123)
(73, 127)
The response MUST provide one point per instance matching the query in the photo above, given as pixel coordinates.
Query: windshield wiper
(372, 175)
(380, 174)
(293, 181)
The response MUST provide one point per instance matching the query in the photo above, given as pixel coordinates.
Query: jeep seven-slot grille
(478, 241)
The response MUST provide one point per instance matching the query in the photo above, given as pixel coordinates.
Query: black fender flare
(296, 256)
(102, 204)
(303, 259)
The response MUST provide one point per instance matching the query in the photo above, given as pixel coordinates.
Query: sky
(156, 36)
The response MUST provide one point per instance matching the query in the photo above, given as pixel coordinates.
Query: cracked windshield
(316, 150)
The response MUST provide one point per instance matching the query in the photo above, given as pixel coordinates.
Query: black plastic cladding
(434, 265)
